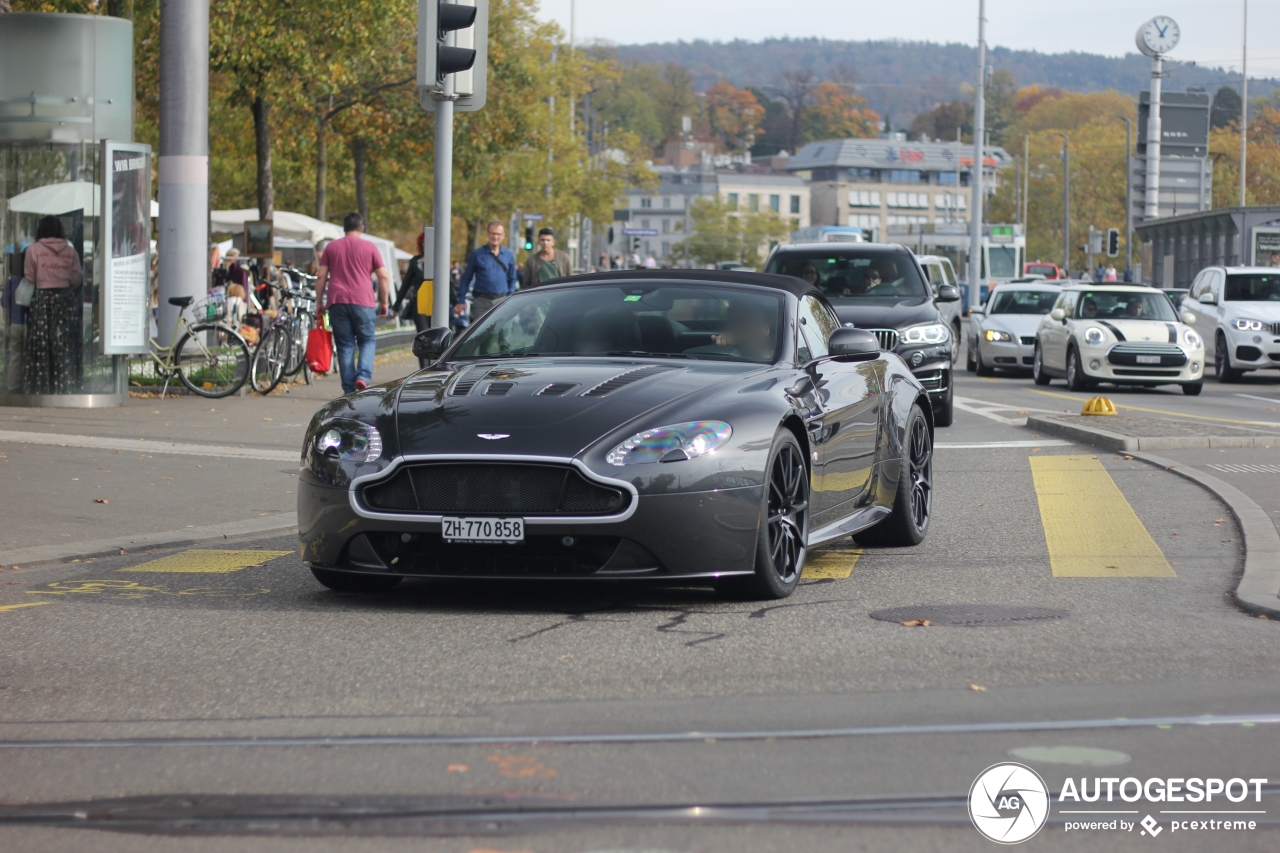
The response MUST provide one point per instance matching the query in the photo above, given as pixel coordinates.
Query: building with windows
(892, 185)
(666, 210)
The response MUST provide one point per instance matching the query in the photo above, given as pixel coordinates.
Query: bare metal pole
(1066, 203)
(1151, 199)
(979, 131)
(1244, 100)
(1128, 190)
(441, 310)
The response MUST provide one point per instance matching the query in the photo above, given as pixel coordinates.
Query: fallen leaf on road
(917, 623)
(115, 451)
(1128, 457)
(978, 687)
(1219, 520)
(458, 768)
(266, 419)
(123, 552)
(1264, 616)
(1174, 533)
(101, 500)
(104, 468)
(1035, 450)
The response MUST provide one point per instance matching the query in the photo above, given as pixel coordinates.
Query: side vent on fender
(556, 389)
(622, 380)
(498, 389)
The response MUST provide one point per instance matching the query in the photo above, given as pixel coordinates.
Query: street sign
(533, 217)
(640, 232)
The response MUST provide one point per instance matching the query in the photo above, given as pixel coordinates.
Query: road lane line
(975, 407)
(145, 446)
(1091, 530)
(207, 561)
(1254, 397)
(987, 445)
(831, 564)
(6, 607)
(1158, 411)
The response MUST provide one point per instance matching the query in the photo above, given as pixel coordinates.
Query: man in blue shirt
(490, 275)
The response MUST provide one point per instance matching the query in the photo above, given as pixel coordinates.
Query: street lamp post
(1128, 191)
(979, 130)
(1244, 99)
(1066, 203)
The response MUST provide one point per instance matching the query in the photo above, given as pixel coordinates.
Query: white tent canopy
(56, 199)
(299, 226)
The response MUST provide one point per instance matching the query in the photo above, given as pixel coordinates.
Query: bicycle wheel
(212, 360)
(270, 359)
(303, 322)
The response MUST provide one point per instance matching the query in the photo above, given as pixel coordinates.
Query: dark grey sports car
(677, 424)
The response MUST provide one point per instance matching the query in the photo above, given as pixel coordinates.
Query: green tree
(721, 232)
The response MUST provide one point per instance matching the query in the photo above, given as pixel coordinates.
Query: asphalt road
(458, 716)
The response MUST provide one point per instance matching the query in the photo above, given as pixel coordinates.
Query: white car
(1124, 334)
(939, 271)
(1239, 311)
(1002, 333)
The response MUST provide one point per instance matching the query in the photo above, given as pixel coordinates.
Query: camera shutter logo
(1008, 803)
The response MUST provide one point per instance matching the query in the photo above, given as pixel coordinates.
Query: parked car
(1002, 333)
(881, 288)
(1043, 268)
(1238, 308)
(1122, 334)
(939, 271)
(653, 424)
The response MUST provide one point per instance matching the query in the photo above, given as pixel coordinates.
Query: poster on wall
(1266, 247)
(126, 249)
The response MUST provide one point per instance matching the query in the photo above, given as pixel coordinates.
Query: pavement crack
(680, 619)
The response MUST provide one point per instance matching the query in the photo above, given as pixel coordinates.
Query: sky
(1211, 29)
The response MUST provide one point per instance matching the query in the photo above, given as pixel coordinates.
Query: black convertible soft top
(795, 286)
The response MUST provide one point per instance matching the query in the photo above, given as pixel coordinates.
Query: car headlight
(1095, 337)
(993, 335)
(347, 440)
(1193, 339)
(933, 333)
(671, 443)
(1240, 324)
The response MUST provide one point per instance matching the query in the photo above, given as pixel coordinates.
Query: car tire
(352, 582)
(955, 343)
(784, 527)
(971, 364)
(1222, 368)
(945, 414)
(1037, 368)
(1075, 372)
(913, 503)
(1193, 389)
(982, 368)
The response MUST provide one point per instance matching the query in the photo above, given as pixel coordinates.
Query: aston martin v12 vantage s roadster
(647, 424)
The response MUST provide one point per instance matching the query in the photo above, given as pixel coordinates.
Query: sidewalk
(96, 476)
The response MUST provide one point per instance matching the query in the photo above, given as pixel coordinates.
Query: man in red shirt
(346, 267)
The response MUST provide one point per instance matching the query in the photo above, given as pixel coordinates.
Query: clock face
(1159, 35)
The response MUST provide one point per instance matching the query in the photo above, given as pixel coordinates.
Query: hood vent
(498, 389)
(622, 380)
(467, 381)
(556, 389)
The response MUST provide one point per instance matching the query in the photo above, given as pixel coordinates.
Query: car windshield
(712, 323)
(849, 273)
(1126, 305)
(1253, 287)
(1023, 301)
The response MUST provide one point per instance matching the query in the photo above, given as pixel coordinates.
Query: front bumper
(1099, 368)
(1253, 350)
(932, 370)
(1010, 355)
(696, 534)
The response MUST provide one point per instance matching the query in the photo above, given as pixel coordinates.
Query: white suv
(1238, 309)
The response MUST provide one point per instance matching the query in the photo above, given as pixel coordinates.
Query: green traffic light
(528, 247)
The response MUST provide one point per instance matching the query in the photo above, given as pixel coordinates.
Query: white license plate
(483, 529)
(1148, 359)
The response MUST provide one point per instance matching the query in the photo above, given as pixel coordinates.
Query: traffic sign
(533, 217)
(640, 232)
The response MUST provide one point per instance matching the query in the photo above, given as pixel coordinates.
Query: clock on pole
(1158, 36)
(1155, 38)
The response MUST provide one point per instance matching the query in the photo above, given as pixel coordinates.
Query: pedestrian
(649, 262)
(1100, 274)
(1128, 274)
(416, 294)
(547, 263)
(51, 362)
(345, 269)
(1109, 273)
(490, 275)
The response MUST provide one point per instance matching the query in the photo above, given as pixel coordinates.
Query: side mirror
(948, 293)
(1208, 298)
(1188, 318)
(1058, 314)
(853, 345)
(979, 310)
(429, 345)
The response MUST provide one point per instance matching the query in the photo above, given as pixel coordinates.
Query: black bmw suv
(882, 289)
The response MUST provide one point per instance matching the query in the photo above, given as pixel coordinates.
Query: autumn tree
(733, 115)
(838, 113)
(1262, 172)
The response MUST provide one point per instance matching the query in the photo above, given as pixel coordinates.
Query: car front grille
(1028, 340)
(441, 488)
(888, 338)
(1127, 353)
(538, 556)
(1274, 328)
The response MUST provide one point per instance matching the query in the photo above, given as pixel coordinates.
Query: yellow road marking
(209, 562)
(831, 563)
(1157, 411)
(1091, 530)
(4, 607)
(988, 379)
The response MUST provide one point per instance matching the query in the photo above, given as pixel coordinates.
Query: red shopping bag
(320, 348)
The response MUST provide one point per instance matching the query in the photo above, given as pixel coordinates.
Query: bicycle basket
(211, 309)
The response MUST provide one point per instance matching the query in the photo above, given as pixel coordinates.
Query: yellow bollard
(1098, 406)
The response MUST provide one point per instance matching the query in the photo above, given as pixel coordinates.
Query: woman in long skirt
(52, 361)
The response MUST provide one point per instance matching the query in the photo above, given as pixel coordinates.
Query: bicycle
(281, 351)
(211, 358)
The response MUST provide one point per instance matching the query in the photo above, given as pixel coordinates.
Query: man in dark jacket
(546, 264)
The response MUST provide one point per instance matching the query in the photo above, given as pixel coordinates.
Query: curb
(1105, 440)
(1259, 589)
(279, 523)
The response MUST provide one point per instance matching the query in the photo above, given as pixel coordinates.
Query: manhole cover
(970, 615)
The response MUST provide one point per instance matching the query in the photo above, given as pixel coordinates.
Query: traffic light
(1113, 242)
(528, 238)
(609, 241)
(466, 59)
(635, 245)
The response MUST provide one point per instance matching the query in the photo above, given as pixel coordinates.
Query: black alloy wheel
(913, 503)
(784, 526)
(955, 343)
(1222, 368)
(970, 364)
(355, 582)
(1076, 380)
(1037, 367)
